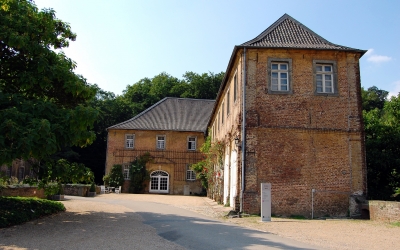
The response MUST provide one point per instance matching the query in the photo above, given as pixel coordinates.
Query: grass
(17, 210)
(396, 224)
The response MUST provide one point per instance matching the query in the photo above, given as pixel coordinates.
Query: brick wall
(172, 160)
(387, 211)
(23, 192)
(300, 141)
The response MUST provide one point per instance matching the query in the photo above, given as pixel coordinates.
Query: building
(19, 169)
(292, 101)
(172, 131)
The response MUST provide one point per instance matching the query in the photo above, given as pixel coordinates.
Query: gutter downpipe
(243, 130)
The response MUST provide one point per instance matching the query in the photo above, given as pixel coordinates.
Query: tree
(373, 98)
(204, 86)
(382, 131)
(43, 103)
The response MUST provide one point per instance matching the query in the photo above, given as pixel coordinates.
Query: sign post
(265, 201)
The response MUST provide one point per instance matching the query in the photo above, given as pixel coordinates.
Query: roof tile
(287, 32)
(177, 114)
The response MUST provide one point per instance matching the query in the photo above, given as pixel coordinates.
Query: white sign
(265, 201)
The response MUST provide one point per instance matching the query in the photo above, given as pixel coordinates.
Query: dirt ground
(329, 234)
(85, 214)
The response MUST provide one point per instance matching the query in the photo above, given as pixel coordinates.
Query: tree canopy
(43, 103)
(382, 135)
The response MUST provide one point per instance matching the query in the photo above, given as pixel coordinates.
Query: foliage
(52, 174)
(373, 98)
(17, 210)
(205, 169)
(382, 131)
(43, 102)
(116, 176)
(106, 179)
(92, 188)
(138, 173)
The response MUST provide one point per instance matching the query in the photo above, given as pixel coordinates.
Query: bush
(116, 177)
(17, 210)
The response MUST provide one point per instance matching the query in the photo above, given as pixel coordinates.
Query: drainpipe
(243, 129)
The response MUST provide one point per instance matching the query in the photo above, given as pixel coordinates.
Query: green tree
(43, 103)
(373, 98)
(382, 131)
(204, 86)
(112, 110)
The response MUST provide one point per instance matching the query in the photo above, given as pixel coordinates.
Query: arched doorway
(159, 182)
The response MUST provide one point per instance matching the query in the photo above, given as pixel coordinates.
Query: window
(190, 174)
(8, 172)
(279, 73)
(21, 173)
(125, 170)
(222, 113)
(129, 140)
(325, 77)
(235, 88)
(218, 121)
(227, 102)
(191, 143)
(160, 141)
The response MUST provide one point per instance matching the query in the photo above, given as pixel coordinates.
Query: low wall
(76, 189)
(388, 211)
(23, 192)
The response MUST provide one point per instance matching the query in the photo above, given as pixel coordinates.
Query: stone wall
(387, 211)
(76, 190)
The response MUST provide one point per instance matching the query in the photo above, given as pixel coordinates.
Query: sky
(120, 42)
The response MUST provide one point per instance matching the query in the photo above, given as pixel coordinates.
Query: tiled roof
(287, 32)
(178, 114)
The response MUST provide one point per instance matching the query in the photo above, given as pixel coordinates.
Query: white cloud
(372, 57)
(395, 90)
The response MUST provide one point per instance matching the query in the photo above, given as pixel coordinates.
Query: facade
(172, 131)
(19, 169)
(292, 101)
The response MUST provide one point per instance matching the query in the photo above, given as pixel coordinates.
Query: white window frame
(129, 141)
(279, 79)
(125, 171)
(190, 174)
(192, 143)
(160, 143)
(321, 75)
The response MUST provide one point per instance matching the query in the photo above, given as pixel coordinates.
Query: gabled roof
(176, 114)
(287, 32)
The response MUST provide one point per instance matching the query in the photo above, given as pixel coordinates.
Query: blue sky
(120, 42)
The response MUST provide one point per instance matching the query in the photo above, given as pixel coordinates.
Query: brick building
(172, 131)
(292, 101)
(19, 169)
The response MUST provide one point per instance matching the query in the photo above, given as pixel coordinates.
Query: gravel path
(92, 224)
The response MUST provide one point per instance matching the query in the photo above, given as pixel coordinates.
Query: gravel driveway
(89, 223)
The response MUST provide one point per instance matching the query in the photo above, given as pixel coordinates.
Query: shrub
(116, 177)
(17, 210)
